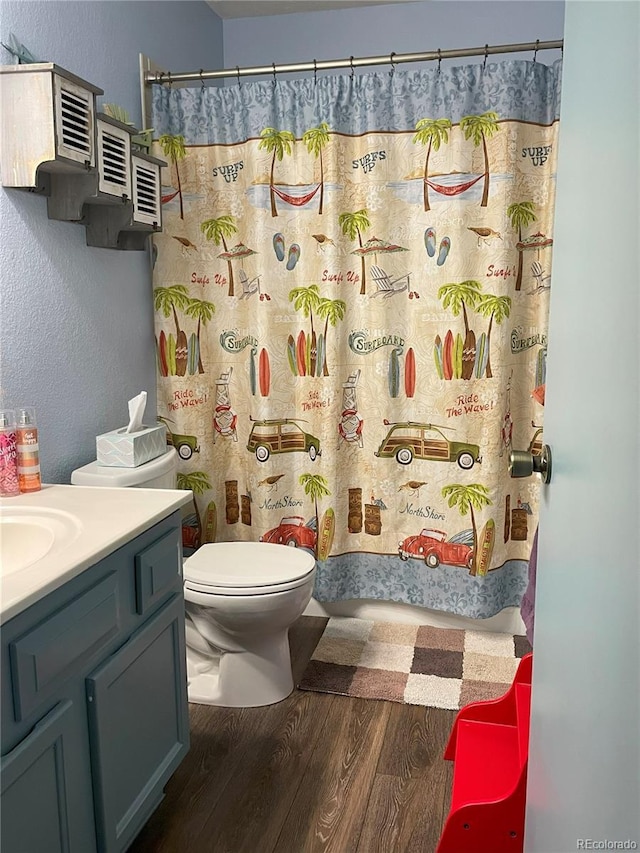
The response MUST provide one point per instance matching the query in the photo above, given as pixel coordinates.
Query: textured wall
(76, 336)
(404, 28)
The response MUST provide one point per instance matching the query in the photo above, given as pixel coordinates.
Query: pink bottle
(8, 456)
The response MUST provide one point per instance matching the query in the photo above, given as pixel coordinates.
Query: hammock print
(297, 201)
(453, 189)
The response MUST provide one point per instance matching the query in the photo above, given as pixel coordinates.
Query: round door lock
(524, 464)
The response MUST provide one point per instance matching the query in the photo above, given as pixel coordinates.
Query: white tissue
(136, 412)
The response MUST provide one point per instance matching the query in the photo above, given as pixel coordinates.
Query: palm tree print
(353, 224)
(332, 310)
(315, 139)
(315, 487)
(280, 142)
(459, 296)
(432, 133)
(217, 230)
(305, 299)
(174, 148)
(203, 311)
(497, 308)
(466, 499)
(167, 299)
(480, 128)
(198, 483)
(521, 214)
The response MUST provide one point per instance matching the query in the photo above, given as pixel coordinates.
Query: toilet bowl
(241, 599)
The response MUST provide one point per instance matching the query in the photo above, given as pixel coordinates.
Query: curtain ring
(486, 54)
(535, 52)
(353, 71)
(169, 78)
(439, 60)
(393, 65)
(201, 82)
(238, 73)
(274, 73)
(315, 71)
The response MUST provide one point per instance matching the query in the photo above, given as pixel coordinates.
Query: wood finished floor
(316, 772)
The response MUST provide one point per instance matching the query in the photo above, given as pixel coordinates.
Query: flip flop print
(294, 254)
(278, 246)
(430, 241)
(445, 245)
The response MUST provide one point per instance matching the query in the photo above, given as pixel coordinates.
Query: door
(36, 784)
(138, 725)
(584, 763)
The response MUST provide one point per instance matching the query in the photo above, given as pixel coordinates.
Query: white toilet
(241, 600)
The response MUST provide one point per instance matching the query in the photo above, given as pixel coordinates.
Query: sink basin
(29, 534)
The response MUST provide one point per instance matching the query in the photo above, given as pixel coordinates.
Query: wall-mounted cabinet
(48, 123)
(128, 226)
(53, 143)
(108, 184)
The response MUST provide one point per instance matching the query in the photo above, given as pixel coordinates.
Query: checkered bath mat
(414, 664)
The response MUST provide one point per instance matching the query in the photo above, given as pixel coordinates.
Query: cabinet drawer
(42, 658)
(35, 814)
(138, 724)
(158, 571)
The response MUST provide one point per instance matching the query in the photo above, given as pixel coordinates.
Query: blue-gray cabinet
(94, 703)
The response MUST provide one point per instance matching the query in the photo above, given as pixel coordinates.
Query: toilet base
(243, 679)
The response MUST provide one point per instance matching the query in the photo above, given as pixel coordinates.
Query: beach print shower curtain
(351, 293)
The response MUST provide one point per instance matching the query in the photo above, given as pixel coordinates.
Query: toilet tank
(159, 473)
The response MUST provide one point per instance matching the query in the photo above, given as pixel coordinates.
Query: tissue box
(121, 449)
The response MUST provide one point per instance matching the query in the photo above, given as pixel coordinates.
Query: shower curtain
(351, 294)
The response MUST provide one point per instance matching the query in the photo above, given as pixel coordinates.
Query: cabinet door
(114, 159)
(75, 112)
(35, 815)
(138, 722)
(146, 192)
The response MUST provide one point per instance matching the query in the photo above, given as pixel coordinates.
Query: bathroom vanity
(94, 702)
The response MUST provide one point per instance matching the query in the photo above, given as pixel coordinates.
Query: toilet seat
(247, 568)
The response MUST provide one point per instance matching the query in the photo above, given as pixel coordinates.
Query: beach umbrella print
(238, 251)
(248, 286)
(375, 246)
(536, 241)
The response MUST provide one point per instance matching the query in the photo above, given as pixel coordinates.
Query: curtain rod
(159, 77)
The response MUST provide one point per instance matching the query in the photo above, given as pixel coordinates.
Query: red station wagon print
(292, 531)
(433, 547)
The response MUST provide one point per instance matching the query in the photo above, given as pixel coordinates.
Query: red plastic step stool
(489, 745)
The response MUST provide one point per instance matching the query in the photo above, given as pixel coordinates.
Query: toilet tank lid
(240, 564)
(103, 475)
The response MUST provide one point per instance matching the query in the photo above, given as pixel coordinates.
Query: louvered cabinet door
(114, 160)
(75, 124)
(146, 192)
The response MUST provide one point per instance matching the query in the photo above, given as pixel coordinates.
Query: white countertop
(101, 519)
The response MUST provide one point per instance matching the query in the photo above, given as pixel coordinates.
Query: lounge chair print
(251, 286)
(388, 287)
(543, 280)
